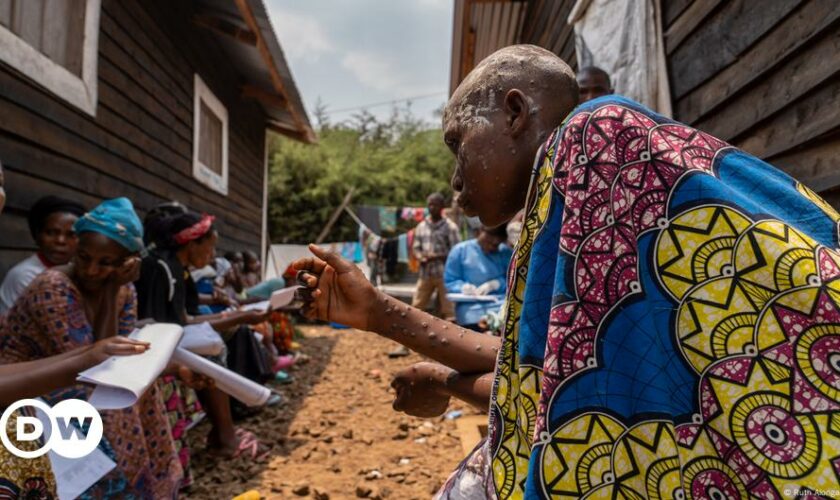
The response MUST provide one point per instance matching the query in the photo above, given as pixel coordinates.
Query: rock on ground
(337, 436)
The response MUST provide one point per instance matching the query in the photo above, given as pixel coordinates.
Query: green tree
(395, 162)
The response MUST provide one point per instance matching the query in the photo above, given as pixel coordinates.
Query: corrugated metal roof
(485, 26)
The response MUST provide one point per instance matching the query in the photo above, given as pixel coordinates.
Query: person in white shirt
(51, 222)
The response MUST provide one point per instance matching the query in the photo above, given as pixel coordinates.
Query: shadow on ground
(215, 478)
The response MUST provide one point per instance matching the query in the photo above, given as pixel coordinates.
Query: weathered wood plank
(813, 164)
(36, 161)
(124, 161)
(24, 190)
(6, 13)
(671, 9)
(33, 175)
(688, 21)
(132, 25)
(123, 53)
(10, 257)
(808, 69)
(804, 120)
(722, 39)
(203, 52)
(16, 233)
(796, 31)
(27, 22)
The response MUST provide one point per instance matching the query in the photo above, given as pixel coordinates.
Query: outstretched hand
(420, 389)
(335, 289)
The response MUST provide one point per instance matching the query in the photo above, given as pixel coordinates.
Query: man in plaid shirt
(434, 237)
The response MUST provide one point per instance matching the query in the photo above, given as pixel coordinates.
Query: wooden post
(334, 216)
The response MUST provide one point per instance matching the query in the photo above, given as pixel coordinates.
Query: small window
(55, 43)
(210, 139)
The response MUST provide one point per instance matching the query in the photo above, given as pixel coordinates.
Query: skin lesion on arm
(463, 350)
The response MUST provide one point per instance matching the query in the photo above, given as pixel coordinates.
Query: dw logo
(63, 437)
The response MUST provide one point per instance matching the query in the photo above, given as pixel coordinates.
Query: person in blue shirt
(478, 267)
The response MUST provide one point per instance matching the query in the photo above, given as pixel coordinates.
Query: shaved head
(495, 122)
(545, 78)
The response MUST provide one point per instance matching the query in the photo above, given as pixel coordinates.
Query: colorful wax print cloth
(672, 324)
(49, 319)
(29, 478)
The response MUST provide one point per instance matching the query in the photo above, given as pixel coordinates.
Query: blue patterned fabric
(672, 323)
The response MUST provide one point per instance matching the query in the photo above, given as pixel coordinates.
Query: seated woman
(51, 222)
(33, 477)
(477, 267)
(168, 294)
(71, 307)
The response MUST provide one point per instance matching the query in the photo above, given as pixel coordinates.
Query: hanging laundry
(352, 251)
(387, 219)
(413, 263)
(358, 254)
(402, 248)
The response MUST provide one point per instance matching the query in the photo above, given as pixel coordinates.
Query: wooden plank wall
(140, 143)
(545, 25)
(763, 76)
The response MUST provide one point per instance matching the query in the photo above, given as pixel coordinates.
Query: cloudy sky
(351, 53)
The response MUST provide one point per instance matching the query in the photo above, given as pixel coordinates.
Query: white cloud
(437, 4)
(386, 73)
(302, 37)
(373, 70)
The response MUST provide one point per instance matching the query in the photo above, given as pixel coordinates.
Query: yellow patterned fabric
(672, 326)
(30, 478)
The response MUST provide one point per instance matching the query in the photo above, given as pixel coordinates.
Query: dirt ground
(337, 435)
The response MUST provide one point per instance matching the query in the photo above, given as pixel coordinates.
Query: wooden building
(155, 100)
(762, 75)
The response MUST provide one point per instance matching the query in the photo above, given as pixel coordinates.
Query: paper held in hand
(279, 298)
(121, 380)
(202, 339)
(247, 391)
(461, 297)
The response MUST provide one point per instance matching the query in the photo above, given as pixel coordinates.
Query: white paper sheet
(279, 298)
(202, 339)
(284, 297)
(250, 393)
(462, 297)
(74, 476)
(121, 380)
(256, 306)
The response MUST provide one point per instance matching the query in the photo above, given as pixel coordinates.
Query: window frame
(80, 92)
(203, 173)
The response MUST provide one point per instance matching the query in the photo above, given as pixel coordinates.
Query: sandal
(283, 377)
(249, 446)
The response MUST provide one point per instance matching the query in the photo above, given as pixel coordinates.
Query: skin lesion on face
(495, 122)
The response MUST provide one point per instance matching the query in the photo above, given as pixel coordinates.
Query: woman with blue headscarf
(72, 306)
